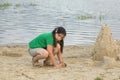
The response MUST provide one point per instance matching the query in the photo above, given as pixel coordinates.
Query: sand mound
(110, 62)
(12, 51)
(105, 45)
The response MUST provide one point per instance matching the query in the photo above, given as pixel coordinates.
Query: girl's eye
(60, 36)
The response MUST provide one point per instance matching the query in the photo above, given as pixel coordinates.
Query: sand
(15, 64)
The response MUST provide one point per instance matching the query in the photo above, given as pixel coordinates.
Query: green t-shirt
(42, 41)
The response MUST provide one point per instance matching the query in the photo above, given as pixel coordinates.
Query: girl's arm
(59, 55)
(61, 62)
(50, 53)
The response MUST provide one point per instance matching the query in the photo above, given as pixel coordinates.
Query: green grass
(101, 17)
(32, 4)
(98, 78)
(84, 17)
(6, 5)
(17, 5)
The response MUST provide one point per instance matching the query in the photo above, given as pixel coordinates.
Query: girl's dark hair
(59, 30)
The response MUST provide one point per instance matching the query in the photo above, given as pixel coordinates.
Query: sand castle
(105, 45)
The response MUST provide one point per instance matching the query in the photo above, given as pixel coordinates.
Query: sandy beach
(15, 64)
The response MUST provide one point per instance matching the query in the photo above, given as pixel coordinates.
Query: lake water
(25, 19)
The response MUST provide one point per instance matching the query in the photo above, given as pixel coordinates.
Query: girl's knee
(42, 52)
(58, 46)
(57, 49)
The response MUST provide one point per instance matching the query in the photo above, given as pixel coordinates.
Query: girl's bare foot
(35, 63)
(47, 63)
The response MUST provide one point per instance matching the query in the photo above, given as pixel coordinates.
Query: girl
(46, 46)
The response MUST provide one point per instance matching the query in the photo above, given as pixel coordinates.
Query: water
(20, 24)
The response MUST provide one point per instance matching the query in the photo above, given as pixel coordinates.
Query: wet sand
(15, 64)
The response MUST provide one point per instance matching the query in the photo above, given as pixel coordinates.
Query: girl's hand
(61, 65)
(58, 65)
(64, 64)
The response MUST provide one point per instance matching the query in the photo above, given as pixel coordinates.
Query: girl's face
(59, 37)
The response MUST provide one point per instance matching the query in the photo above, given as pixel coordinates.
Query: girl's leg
(40, 54)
